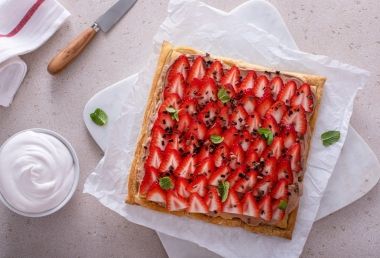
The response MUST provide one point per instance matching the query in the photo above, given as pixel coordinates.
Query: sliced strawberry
(284, 170)
(220, 154)
(246, 182)
(294, 152)
(269, 170)
(232, 77)
(171, 100)
(165, 121)
(212, 200)
(230, 90)
(296, 117)
(209, 114)
(261, 88)
(158, 138)
(224, 116)
(216, 129)
(181, 65)
(262, 187)
(265, 207)
(220, 175)
(197, 204)
(239, 118)
(232, 204)
(184, 121)
(215, 71)
(275, 149)
(248, 82)
(264, 105)
(270, 123)
(204, 152)
(258, 146)
(287, 92)
(150, 176)
(251, 157)
(175, 202)
(193, 91)
(250, 207)
(236, 156)
(276, 85)
(289, 135)
(175, 84)
(189, 105)
(186, 167)
(245, 140)
(180, 187)
(208, 91)
(234, 176)
(154, 157)
(156, 194)
(304, 98)
(191, 146)
(230, 136)
(278, 214)
(249, 103)
(205, 167)
(197, 70)
(198, 130)
(253, 122)
(277, 110)
(280, 190)
(198, 186)
(170, 161)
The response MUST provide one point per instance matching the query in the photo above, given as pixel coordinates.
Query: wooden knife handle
(71, 51)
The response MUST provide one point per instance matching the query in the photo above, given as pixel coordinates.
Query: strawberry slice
(150, 176)
(209, 114)
(264, 105)
(278, 214)
(184, 121)
(258, 146)
(158, 138)
(191, 146)
(248, 82)
(204, 152)
(170, 161)
(215, 71)
(181, 65)
(277, 110)
(284, 170)
(289, 135)
(175, 202)
(220, 175)
(275, 149)
(186, 167)
(156, 194)
(287, 92)
(208, 91)
(250, 207)
(232, 204)
(245, 140)
(235, 175)
(180, 187)
(220, 154)
(197, 70)
(294, 152)
(265, 207)
(154, 158)
(171, 100)
(276, 85)
(230, 90)
(198, 186)
(270, 123)
(176, 84)
(198, 130)
(251, 157)
(230, 136)
(197, 204)
(192, 92)
(224, 116)
(261, 88)
(190, 106)
(269, 169)
(246, 182)
(236, 156)
(304, 98)
(239, 118)
(296, 117)
(206, 166)
(262, 187)
(216, 129)
(249, 103)
(212, 200)
(232, 77)
(165, 121)
(253, 122)
(280, 190)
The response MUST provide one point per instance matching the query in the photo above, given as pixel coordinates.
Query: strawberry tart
(225, 141)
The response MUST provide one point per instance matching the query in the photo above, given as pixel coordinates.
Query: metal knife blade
(113, 15)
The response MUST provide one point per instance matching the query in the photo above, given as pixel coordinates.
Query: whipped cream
(36, 172)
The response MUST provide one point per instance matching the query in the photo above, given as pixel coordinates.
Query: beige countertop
(347, 30)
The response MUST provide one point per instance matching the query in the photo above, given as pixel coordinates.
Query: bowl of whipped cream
(39, 172)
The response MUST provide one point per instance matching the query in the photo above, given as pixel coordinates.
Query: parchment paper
(194, 23)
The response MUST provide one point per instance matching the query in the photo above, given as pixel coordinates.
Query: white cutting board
(265, 16)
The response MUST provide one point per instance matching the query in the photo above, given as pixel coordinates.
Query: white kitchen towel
(24, 26)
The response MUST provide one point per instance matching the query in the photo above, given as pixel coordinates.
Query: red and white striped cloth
(24, 26)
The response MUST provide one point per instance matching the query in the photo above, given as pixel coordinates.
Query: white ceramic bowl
(75, 181)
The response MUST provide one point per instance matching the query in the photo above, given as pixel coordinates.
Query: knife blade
(105, 22)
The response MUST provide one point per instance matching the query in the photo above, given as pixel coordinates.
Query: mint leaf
(330, 137)
(166, 183)
(99, 117)
(266, 134)
(173, 112)
(223, 95)
(223, 189)
(282, 205)
(216, 139)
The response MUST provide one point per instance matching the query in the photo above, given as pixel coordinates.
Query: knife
(77, 45)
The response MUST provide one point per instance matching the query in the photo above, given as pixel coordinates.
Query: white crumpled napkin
(196, 24)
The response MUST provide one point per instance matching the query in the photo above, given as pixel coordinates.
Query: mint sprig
(282, 205)
(173, 112)
(166, 183)
(223, 95)
(223, 189)
(99, 117)
(216, 139)
(330, 137)
(266, 134)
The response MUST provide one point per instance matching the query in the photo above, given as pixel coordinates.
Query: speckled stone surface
(347, 30)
